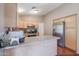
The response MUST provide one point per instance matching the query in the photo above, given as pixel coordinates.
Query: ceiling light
(20, 10)
(34, 10)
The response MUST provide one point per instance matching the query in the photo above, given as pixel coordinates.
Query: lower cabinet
(70, 38)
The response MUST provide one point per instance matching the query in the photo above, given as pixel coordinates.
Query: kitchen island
(35, 46)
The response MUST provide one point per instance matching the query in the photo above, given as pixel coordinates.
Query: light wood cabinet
(70, 22)
(70, 32)
(70, 38)
(58, 20)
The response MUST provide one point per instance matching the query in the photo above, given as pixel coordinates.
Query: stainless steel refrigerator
(59, 31)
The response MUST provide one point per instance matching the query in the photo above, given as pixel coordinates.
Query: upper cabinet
(10, 14)
(70, 21)
(58, 20)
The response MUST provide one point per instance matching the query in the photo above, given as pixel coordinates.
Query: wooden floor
(66, 52)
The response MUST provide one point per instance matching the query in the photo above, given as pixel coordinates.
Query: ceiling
(44, 8)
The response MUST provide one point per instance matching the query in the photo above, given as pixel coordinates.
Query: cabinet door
(70, 21)
(70, 38)
(70, 32)
(58, 20)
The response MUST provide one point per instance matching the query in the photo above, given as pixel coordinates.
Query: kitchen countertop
(34, 46)
(41, 38)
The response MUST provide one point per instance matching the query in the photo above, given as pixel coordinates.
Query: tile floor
(61, 52)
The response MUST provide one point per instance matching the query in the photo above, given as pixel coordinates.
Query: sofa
(17, 34)
(12, 38)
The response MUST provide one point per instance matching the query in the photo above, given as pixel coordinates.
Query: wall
(32, 19)
(10, 14)
(1, 17)
(62, 11)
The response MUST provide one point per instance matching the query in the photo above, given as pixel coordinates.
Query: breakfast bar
(35, 46)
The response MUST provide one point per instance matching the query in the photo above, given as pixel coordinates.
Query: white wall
(1, 17)
(62, 11)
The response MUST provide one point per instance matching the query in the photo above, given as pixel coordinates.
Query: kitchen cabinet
(58, 20)
(70, 22)
(70, 32)
(70, 38)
